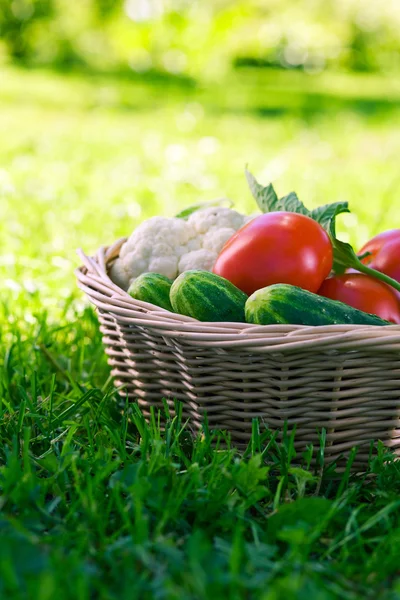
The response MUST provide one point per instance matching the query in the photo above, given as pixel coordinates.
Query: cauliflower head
(170, 246)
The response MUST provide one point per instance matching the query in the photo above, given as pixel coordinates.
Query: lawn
(94, 502)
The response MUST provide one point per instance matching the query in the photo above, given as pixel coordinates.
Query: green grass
(94, 502)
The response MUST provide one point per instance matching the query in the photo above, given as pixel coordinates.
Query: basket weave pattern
(344, 378)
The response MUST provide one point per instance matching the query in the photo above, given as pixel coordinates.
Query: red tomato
(385, 253)
(278, 247)
(377, 243)
(363, 292)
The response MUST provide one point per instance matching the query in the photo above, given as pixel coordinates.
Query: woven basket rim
(94, 280)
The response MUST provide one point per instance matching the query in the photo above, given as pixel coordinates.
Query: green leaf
(307, 513)
(344, 256)
(268, 200)
(265, 197)
(301, 473)
(186, 212)
(291, 203)
(328, 212)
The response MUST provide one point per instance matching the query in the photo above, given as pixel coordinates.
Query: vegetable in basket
(171, 245)
(207, 297)
(365, 293)
(288, 304)
(344, 257)
(288, 244)
(153, 288)
(278, 247)
(382, 253)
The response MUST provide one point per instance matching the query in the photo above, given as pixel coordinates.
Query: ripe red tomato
(385, 253)
(363, 292)
(278, 247)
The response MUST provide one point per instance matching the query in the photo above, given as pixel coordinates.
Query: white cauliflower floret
(170, 246)
(202, 260)
(165, 265)
(215, 217)
(194, 244)
(119, 274)
(155, 246)
(169, 232)
(133, 264)
(215, 239)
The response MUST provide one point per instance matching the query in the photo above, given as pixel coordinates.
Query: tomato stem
(378, 275)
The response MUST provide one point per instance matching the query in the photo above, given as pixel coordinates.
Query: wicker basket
(343, 378)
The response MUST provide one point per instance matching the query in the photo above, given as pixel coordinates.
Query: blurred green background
(203, 38)
(111, 112)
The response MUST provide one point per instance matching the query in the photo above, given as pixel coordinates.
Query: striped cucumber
(287, 304)
(207, 297)
(153, 288)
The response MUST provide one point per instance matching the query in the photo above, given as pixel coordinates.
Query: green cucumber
(207, 297)
(287, 304)
(153, 288)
